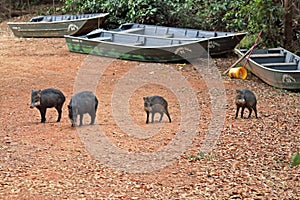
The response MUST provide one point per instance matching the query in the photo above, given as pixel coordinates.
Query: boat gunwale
(100, 15)
(229, 34)
(178, 38)
(152, 36)
(190, 42)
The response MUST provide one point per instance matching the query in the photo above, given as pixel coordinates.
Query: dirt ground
(250, 158)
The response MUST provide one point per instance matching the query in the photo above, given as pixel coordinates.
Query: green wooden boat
(58, 25)
(277, 67)
(134, 47)
(130, 45)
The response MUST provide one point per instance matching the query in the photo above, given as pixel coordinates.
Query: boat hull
(151, 48)
(176, 53)
(218, 43)
(282, 71)
(45, 29)
(222, 45)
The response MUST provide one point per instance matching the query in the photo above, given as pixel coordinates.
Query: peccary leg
(250, 111)
(58, 108)
(237, 111)
(147, 120)
(255, 111)
(152, 117)
(161, 116)
(43, 114)
(81, 118)
(93, 116)
(167, 113)
(243, 108)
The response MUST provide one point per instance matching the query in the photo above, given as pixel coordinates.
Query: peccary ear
(39, 92)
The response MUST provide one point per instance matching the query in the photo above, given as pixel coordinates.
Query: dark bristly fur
(245, 99)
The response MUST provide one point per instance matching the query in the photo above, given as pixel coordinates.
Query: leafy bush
(295, 159)
(256, 16)
(121, 11)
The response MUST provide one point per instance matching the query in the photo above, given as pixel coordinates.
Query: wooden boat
(219, 42)
(58, 25)
(134, 47)
(131, 44)
(277, 67)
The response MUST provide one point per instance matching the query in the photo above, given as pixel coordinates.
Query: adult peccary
(245, 99)
(80, 104)
(156, 104)
(47, 98)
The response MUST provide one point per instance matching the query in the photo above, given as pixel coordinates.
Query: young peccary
(47, 98)
(156, 104)
(246, 99)
(80, 104)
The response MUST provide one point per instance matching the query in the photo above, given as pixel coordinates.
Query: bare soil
(250, 159)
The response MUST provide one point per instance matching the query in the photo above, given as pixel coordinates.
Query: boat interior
(276, 58)
(56, 18)
(133, 39)
(169, 32)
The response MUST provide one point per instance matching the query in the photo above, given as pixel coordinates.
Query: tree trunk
(54, 6)
(28, 4)
(288, 26)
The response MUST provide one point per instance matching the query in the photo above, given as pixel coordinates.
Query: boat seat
(133, 30)
(59, 18)
(67, 17)
(281, 66)
(86, 16)
(266, 55)
(73, 17)
(268, 58)
(171, 35)
(47, 19)
(139, 43)
(102, 38)
(37, 19)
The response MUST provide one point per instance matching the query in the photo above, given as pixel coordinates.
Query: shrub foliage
(252, 16)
